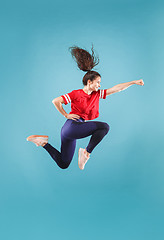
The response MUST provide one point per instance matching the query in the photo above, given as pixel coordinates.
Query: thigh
(76, 130)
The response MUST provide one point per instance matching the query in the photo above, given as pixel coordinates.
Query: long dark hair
(85, 62)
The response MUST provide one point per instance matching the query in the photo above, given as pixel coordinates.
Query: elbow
(53, 101)
(57, 100)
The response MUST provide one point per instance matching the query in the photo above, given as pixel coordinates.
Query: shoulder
(77, 92)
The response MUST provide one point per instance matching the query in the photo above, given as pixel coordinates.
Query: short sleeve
(68, 97)
(102, 93)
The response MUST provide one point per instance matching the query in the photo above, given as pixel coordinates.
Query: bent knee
(64, 166)
(106, 127)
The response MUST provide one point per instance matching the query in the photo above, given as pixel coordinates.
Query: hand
(72, 116)
(139, 82)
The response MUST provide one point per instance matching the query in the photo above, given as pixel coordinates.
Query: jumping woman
(84, 106)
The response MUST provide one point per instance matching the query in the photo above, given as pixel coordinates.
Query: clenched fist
(139, 82)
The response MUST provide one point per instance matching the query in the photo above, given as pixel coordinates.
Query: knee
(106, 127)
(64, 166)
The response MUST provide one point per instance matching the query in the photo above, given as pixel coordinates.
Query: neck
(87, 90)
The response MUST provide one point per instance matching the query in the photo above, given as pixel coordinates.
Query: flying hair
(83, 58)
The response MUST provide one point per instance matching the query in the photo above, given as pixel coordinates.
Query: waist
(86, 115)
(80, 120)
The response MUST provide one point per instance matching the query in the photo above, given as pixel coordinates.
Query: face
(95, 84)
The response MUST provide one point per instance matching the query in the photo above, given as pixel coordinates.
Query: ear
(89, 81)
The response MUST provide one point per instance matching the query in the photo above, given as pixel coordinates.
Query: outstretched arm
(123, 86)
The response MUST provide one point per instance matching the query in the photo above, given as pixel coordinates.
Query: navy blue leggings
(72, 130)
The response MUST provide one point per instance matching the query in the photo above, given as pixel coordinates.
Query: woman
(84, 106)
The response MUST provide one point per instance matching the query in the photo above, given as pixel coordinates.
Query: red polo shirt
(84, 105)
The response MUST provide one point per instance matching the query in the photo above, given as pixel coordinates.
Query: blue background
(120, 193)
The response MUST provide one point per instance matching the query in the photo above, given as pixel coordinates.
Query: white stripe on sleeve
(68, 98)
(102, 93)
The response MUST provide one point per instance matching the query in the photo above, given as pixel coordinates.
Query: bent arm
(58, 104)
(123, 86)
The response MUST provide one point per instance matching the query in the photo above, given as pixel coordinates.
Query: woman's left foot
(39, 140)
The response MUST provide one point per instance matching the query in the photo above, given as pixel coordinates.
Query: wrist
(133, 82)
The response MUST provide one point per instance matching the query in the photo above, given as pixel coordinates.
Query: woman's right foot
(39, 140)
(82, 158)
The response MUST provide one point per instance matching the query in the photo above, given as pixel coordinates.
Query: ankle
(43, 144)
(87, 153)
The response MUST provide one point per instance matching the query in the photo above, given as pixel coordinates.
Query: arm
(58, 104)
(123, 86)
